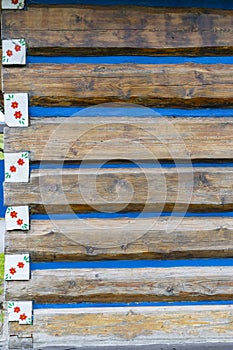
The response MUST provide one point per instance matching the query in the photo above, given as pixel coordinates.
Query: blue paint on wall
(43, 112)
(129, 59)
(96, 215)
(156, 165)
(2, 209)
(139, 304)
(223, 4)
(121, 264)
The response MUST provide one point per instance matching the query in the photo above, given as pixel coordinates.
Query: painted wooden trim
(71, 240)
(14, 52)
(17, 267)
(151, 137)
(20, 311)
(16, 109)
(131, 326)
(13, 4)
(161, 85)
(148, 189)
(224, 4)
(98, 30)
(16, 167)
(17, 218)
(124, 285)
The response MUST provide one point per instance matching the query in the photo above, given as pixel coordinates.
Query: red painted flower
(9, 53)
(14, 2)
(20, 161)
(20, 265)
(14, 104)
(13, 214)
(17, 48)
(12, 270)
(13, 169)
(23, 317)
(17, 309)
(20, 222)
(18, 115)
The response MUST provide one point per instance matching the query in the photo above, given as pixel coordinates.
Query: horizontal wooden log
(94, 30)
(133, 138)
(124, 285)
(157, 85)
(170, 346)
(158, 238)
(128, 326)
(150, 189)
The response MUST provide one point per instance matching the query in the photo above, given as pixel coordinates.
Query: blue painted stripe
(139, 304)
(2, 208)
(122, 264)
(131, 112)
(129, 59)
(156, 165)
(223, 4)
(130, 215)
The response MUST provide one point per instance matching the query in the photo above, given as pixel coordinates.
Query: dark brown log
(150, 85)
(153, 189)
(93, 30)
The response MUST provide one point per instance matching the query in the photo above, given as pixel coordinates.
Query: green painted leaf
(27, 259)
(24, 155)
(10, 304)
(22, 42)
(29, 320)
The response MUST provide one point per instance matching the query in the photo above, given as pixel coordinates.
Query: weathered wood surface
(157, 85)
(171, 346)
(128, 326)
(124, 285)
(134, 138)
(122, 189)
(89, 239)
(121, 30)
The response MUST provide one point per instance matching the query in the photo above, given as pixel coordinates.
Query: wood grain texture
(128, 326)
(170, 346)
(120, 30)
(119, 189)
(89, 239)
(157, 85)
(124, 285)
(134, 138)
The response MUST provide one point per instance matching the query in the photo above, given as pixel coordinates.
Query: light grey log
(97, 136)
(131, 326)
(143, 238)
(124, 285)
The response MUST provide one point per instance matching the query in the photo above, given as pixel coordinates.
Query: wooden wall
(104, 279)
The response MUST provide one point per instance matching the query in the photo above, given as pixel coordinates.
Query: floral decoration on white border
(16, 167)
(17, 267)
(20, 311)
(14, 52)
(16, 109)
(17, 218)
(13, 4)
